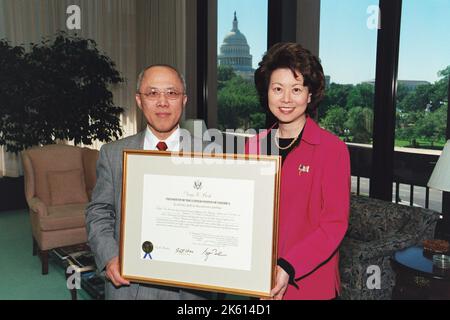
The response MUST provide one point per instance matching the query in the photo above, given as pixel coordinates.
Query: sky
(347, 45)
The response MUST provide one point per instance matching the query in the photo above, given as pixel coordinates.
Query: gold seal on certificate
(147, 247)
(205, 215)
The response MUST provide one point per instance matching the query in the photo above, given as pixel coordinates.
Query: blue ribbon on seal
(149, 256)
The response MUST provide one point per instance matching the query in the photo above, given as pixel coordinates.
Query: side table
(92, 282)
(417, 277)
(82, 261)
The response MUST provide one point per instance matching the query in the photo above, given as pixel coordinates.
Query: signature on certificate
(184, 251)
(208, 252)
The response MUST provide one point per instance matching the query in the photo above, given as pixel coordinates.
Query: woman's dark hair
(291, 56)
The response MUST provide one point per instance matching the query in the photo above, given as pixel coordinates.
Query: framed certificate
(200, 222)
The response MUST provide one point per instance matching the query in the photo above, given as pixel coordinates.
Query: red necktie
(161, 146)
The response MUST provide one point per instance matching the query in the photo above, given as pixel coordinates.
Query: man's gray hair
(141, 75)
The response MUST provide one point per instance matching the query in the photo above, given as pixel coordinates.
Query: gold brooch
(303, 168)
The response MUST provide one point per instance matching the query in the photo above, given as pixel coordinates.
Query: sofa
(376, 230)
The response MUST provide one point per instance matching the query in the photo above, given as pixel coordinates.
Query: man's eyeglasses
(153, 94)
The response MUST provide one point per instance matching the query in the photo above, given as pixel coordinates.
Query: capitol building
(235, 52)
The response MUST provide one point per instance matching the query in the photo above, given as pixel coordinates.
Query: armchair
(376, 230)
(58, 184)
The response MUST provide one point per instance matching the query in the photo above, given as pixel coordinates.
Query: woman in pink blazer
(315, 176)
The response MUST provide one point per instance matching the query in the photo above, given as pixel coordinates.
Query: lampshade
(440, 178)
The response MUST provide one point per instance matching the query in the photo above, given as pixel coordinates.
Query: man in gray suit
(161, 97)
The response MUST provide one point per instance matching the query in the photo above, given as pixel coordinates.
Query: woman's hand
(281, 283)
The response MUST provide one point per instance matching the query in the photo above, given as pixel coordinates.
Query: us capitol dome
(235, 52)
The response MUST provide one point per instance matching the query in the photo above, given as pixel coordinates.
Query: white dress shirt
(173, 141)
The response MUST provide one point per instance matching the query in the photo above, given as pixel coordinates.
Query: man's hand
(281, 284)
(113, 273)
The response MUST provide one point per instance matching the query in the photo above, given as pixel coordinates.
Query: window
(423, 75)
(424, 69)
(242, 41)
(348, 47)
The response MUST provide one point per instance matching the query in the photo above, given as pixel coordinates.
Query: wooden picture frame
(198, 221)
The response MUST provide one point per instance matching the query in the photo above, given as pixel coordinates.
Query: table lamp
(440, 180)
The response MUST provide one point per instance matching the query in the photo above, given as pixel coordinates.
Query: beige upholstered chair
(58, 185)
